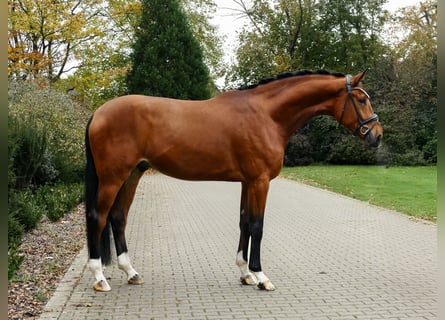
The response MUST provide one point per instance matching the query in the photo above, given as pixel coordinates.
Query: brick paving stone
(330, 257)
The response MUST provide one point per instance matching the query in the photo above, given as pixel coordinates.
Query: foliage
(60, 198)
(298, 151)
(199, 13)
(26, 209)
(409, 96)
(15, 230)
(167, 59)
(14, 259)
(59, 119)
(106, 61)
(44, 35)
(410, 190)
(304, 34)
(45, 159)
(27, 144)
(348, 32)
(349, 150)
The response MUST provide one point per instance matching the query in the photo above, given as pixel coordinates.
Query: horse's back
(184, 139)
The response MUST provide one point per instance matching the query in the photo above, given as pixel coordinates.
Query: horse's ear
(360, 77)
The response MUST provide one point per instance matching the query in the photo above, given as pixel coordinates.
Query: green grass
(410, 190)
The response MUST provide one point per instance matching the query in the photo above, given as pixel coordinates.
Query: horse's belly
(197, 167)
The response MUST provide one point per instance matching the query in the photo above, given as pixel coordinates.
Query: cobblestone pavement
(330, 257)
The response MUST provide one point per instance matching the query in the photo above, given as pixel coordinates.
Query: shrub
(25, 208)
(60, 199)
(430, 150)
(15, 230)
(298, 151)
(45, 148)
(350, 150)
(27, 154)
(63, 121)
(14, 259)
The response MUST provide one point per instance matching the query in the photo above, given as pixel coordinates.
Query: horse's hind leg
(98, 234)
(118, 220)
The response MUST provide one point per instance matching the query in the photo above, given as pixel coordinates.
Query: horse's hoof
(266, 285)
(136, 279)
(102, 286)
(248, 280)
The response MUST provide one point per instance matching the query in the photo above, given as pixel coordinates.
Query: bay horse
(239, 135)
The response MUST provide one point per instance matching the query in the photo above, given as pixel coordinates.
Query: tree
(199, 13)
(101, 72)
(90, 43)
(45, 35)
(349, 33)
(410, 104)
(270, 44)
(306, 34)
(167, 60)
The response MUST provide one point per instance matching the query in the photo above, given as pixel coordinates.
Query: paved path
(329, 256)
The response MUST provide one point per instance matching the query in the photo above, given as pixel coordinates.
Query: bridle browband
(362, 127)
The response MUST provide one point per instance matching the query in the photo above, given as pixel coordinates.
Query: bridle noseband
(362, 127)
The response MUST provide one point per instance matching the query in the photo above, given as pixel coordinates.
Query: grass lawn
(410, 190)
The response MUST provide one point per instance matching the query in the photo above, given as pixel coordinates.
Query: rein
(362, 127)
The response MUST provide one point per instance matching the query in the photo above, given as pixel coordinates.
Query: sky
(229, 24)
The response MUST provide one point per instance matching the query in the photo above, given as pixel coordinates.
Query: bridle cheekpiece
(362, 127)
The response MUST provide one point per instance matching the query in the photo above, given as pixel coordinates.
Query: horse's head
(357, 114)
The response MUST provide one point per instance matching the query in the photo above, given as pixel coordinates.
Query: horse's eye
(362, 101)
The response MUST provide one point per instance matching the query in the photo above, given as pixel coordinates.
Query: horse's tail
(92, 218)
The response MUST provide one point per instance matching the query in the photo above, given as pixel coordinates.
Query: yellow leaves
(419, 23)
(43, 33)
(133, 8)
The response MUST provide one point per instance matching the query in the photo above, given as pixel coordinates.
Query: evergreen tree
(167, 60)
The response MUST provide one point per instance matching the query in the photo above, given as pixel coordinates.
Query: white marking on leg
(95, 265)
(241, 263)
(123, 263)
(246, 276)
(263, 281)
(261, 276)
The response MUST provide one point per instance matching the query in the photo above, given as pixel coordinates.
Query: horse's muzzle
(374, 140)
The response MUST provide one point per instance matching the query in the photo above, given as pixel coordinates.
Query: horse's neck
(294, 103)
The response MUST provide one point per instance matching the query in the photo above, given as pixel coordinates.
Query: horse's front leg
(252, 225)
(247, 277)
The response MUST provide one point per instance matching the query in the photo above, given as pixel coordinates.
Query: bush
(63, 122)
(45, 157)
(28, 147)
(14, 259)
(15, 230)
(298, 151)
(60, 199)
(15, 234)
(430, 150)
(25, 208)
(350, 150)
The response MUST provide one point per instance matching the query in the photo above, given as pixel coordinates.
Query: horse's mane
(292, 74)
